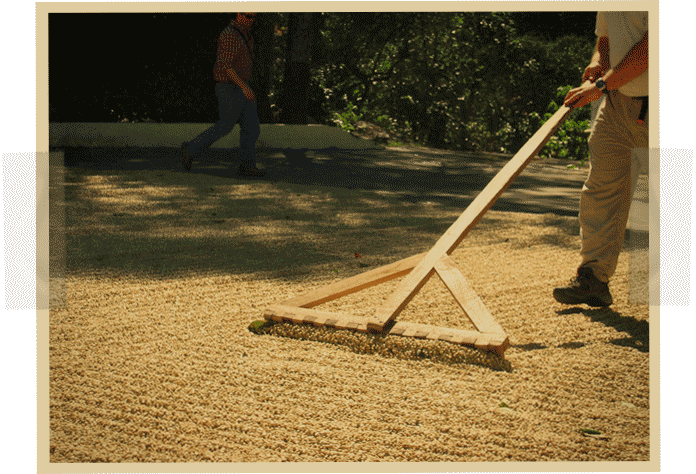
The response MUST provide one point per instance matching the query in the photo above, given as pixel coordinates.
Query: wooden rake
(418, 269)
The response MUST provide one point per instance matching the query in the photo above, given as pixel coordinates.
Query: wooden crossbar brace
(419, 268)
(461, 227)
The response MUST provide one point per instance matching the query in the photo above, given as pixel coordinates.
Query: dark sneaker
(585, 288)
(186, 159)
(250, 171)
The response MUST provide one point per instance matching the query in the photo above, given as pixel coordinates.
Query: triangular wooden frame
(418, 269)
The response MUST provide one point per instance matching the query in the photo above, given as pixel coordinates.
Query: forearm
(235, 77)
(631, 66)
(601, 55)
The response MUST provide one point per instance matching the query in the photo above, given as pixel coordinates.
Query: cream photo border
(42, 163)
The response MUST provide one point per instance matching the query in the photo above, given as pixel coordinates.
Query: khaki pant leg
(606, 197)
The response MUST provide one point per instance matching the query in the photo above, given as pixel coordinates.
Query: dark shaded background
(102, 64)
(553, 25)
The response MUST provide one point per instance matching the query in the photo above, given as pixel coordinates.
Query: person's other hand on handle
(583, 95)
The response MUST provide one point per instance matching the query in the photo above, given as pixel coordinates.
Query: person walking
(236, 100)
(618, 75)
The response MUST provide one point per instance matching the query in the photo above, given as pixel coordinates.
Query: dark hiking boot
(585, 288)
(250, 171)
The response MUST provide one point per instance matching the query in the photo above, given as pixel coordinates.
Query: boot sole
(590, 301)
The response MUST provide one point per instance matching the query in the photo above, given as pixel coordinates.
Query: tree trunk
(294, 99)
(261, 79)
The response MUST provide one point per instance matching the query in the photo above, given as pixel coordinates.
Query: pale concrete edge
(273, 137)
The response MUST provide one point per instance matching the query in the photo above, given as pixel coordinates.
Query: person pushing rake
(618, 76)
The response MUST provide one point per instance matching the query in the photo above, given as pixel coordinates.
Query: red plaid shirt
(232, 53)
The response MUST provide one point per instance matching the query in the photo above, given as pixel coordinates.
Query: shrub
(347, 119)
(570, 141)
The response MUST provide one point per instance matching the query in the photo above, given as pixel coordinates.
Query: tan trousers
(618, 151)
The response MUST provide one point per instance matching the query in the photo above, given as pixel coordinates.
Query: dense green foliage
(449, 80)
(570, 141)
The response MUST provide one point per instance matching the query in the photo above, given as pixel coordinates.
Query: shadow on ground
(637, 332)
(410, 175)
(134, 210)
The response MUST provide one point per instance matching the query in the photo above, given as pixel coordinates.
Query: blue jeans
(233, 107)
